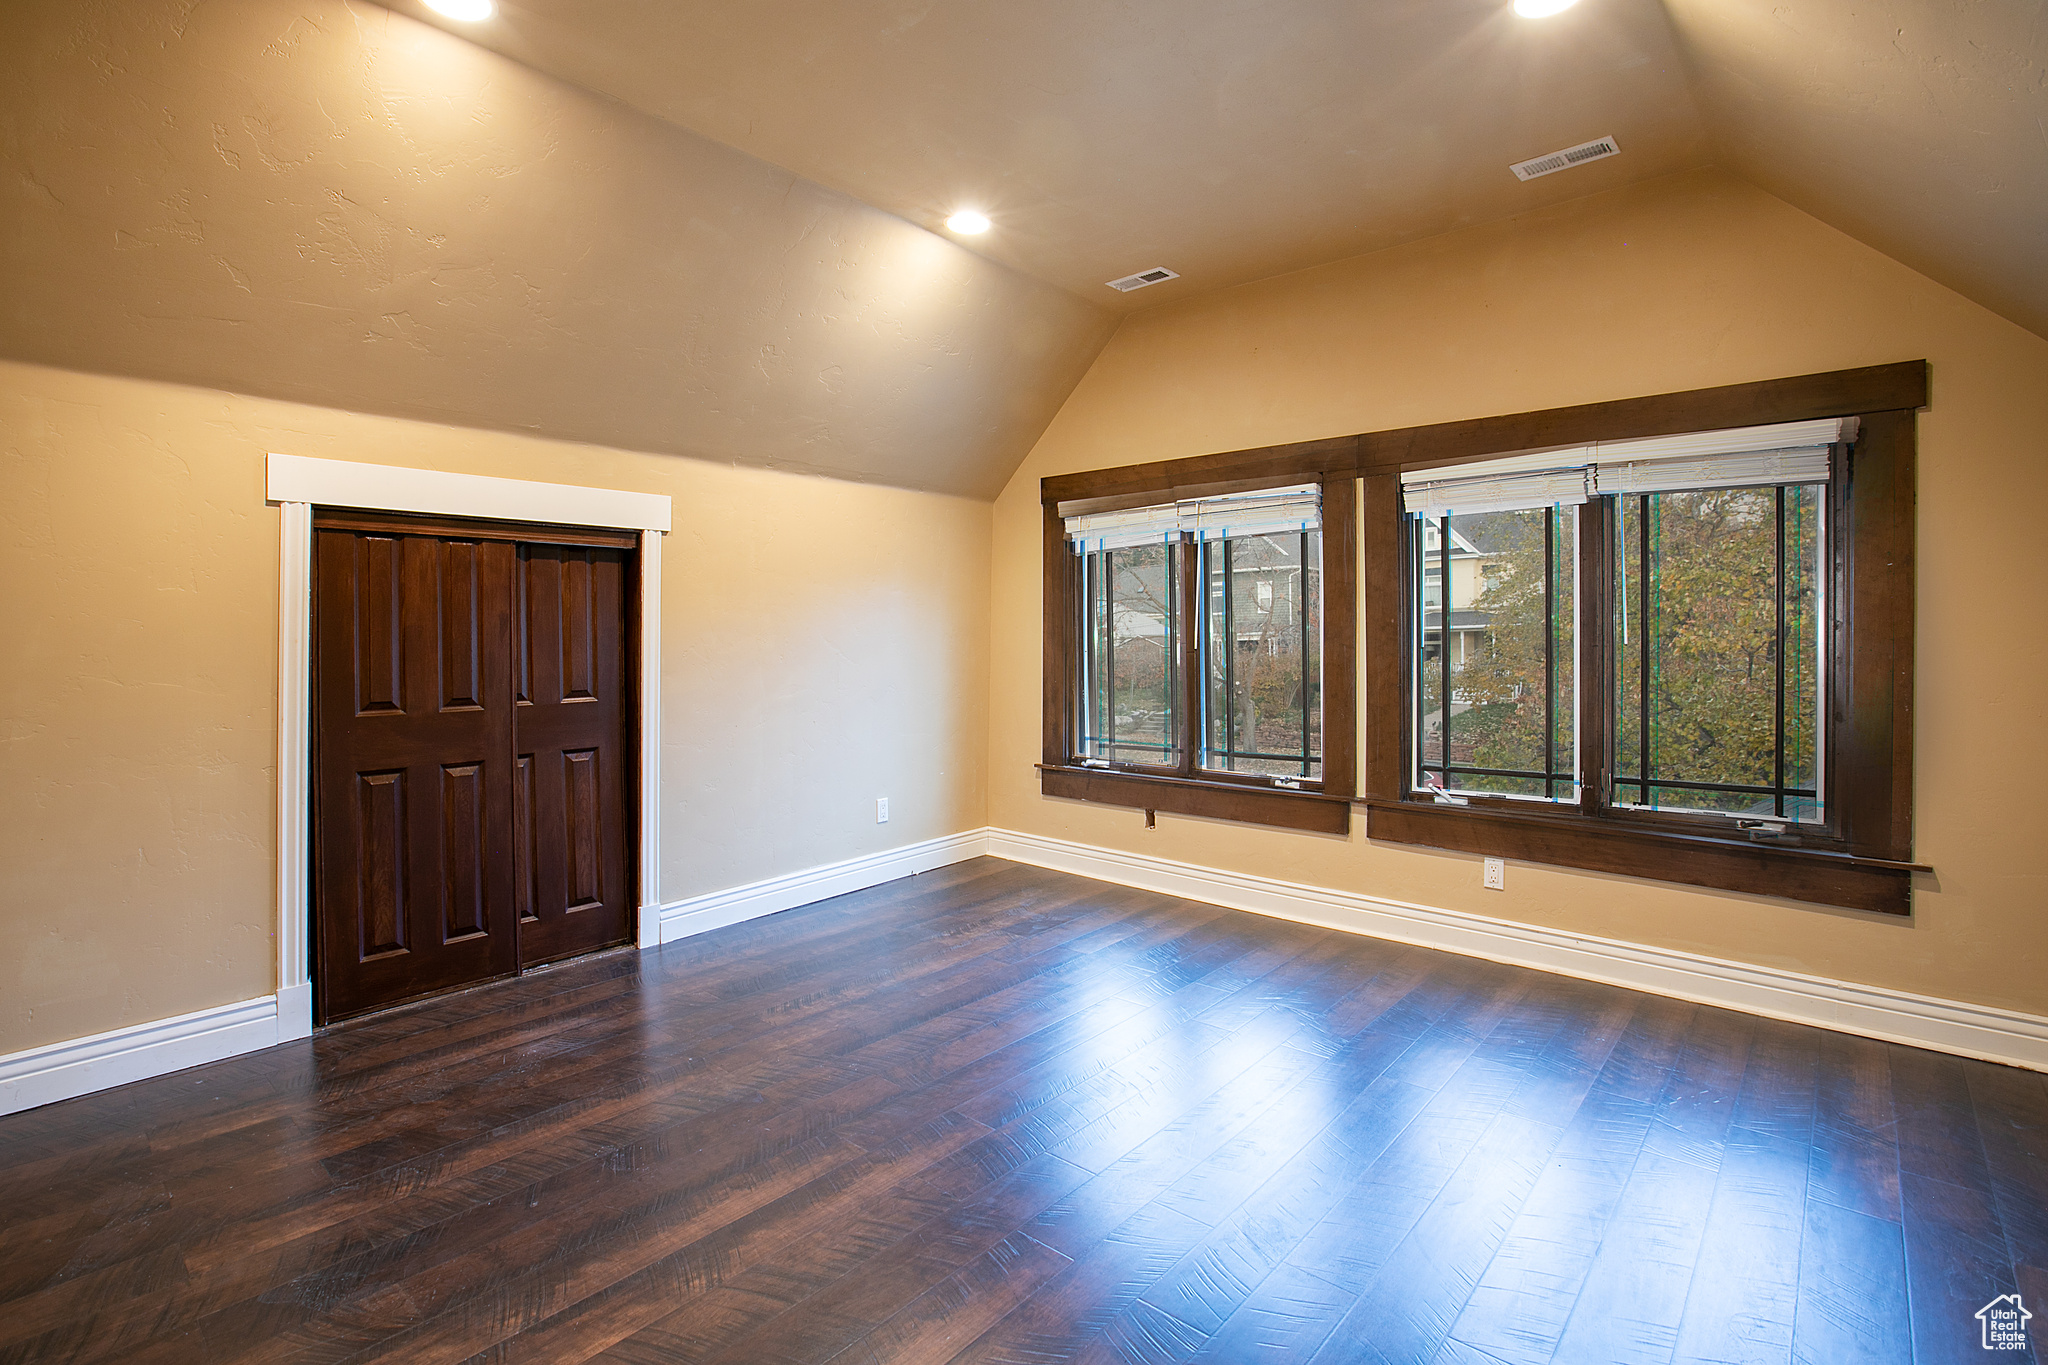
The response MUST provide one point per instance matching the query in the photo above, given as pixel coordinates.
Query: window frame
(1416, 604)
(1866, 866)
(1319, 805)
(1863, 858)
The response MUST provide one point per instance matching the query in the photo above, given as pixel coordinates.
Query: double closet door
(472, 753)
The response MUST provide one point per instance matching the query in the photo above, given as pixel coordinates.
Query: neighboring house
(1468, 580)
(1264, 603)
(1266, 590)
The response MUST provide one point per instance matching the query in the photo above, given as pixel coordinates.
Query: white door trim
(298, 483)
(294, 770)
(392, 488)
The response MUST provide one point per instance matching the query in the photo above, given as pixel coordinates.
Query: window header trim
(1692, 445)
(1739, 457)
(1899, 386)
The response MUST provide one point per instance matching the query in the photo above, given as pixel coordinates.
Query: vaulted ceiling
(714, 229)
(1917, 126)
(1231, 140)
(1223, 139)
(327, 202)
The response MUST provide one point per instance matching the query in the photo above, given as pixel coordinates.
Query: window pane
(1128, 682)
(1718, 642)
(1505, 658)
(1805, 572)
(1262, 655)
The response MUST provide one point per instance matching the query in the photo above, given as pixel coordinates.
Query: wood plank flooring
(996, 1115)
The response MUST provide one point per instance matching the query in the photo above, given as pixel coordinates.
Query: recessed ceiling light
(468, 11)
(1542, 9)
(968, 223)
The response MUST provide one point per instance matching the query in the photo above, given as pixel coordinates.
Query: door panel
(578, 631)
(465, 895)
(573, 738)
(580, 829)
(413, 770)
(380, 866)
(526, 892)
(459, 589)
(379, 663)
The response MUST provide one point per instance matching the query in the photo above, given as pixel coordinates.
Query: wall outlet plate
(1496, 874)
(881, 810)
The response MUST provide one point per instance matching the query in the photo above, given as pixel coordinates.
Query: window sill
(1568, 839)
(1316, 812)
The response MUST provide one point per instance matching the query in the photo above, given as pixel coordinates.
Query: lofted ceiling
(1231, 140)
(714, 229)
(1917, 126)
(326, 202)
(1223, 139)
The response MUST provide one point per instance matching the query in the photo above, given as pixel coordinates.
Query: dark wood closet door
(414, 776)
(573, 753)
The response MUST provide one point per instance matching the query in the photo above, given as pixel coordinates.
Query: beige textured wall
(327, 202)
(824, 643)
(1694, 280)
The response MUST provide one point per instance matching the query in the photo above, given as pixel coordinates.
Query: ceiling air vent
(1566, 159)
(1144, 277)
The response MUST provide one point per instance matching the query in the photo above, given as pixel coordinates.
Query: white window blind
(1505, 492)
(1739, 457)
(1794, 464)
(1267, 511)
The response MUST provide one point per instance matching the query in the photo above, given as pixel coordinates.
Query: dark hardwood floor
(999, 1114)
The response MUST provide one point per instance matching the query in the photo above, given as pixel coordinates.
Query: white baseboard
(716, 909)
(60, 1071)
(1896, 1016)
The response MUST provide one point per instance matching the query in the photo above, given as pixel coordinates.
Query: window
(1129, 681)
(1198, 675)
(1504, 658)
(1685, 656)
(1711, 634)
(1253, 565)
(1261, 654)
(1718, 650)
(1641, 637)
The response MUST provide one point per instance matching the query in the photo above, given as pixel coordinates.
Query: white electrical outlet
(881, 810)
(1496, 874)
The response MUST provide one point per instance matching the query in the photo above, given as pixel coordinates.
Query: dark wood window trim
(1867, 863)
(1325, 806)
(1875, 388)
(1191, 796)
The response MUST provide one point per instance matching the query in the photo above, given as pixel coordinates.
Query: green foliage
(1705, 595)
(1506, 683)
(1704, 601)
